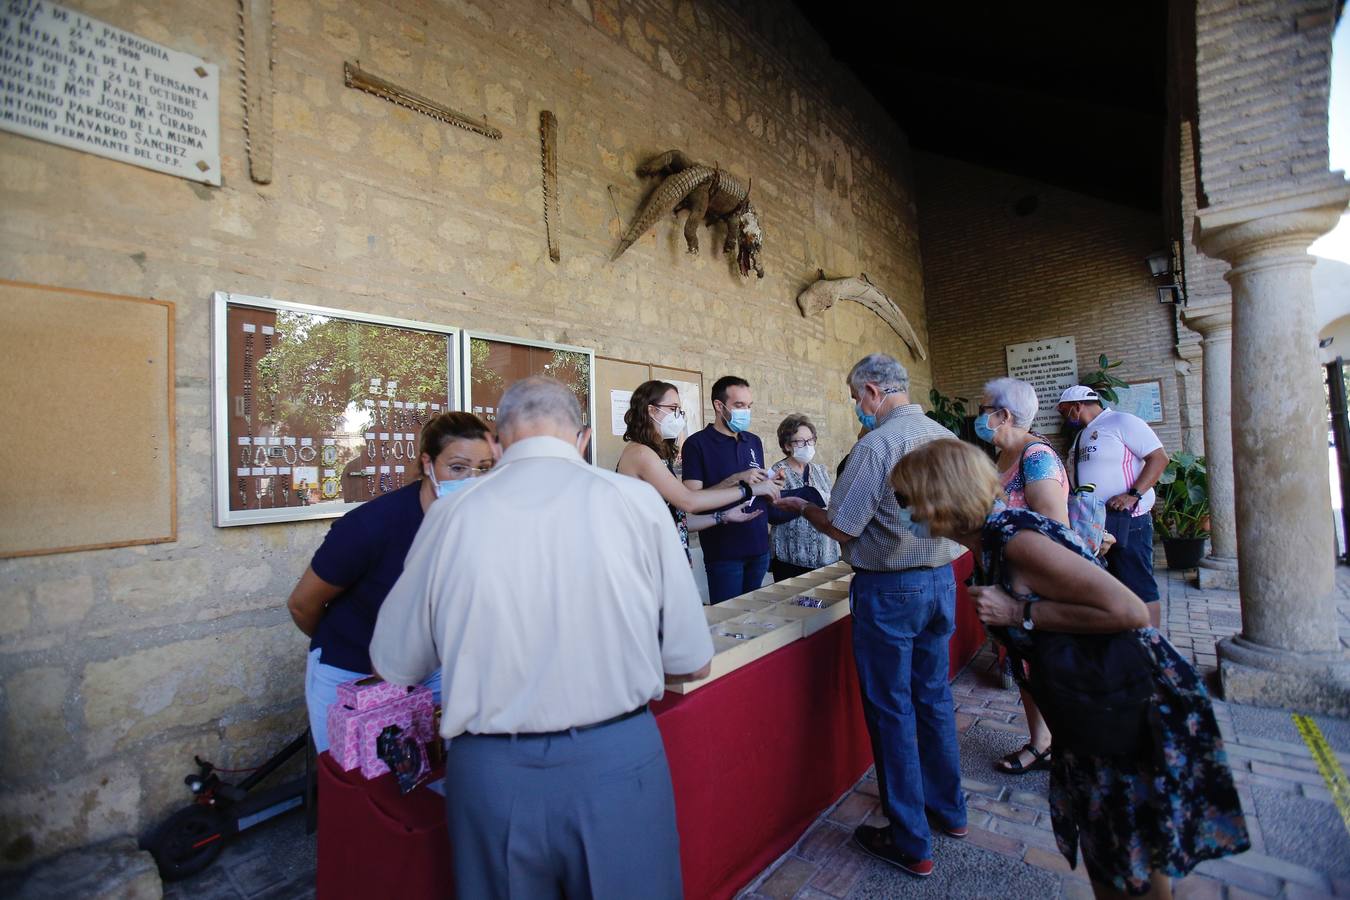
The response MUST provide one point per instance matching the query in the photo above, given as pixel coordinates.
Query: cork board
(615, 380)
(96, 370)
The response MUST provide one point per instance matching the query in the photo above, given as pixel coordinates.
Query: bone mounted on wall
(711, 194)
(826, 292)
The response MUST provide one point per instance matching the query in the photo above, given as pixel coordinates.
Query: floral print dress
(1130, 817)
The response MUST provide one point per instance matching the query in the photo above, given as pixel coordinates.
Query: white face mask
(804, 454)
(671, 426)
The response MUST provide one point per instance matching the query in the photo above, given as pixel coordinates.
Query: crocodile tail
(666, 197)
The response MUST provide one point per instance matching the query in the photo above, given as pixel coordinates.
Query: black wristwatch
(1134, 492)
(1027, 624)
(719, 517)
(746, 491)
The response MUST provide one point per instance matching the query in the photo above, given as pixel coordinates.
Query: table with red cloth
(755, 756)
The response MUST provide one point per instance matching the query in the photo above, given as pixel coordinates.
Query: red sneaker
(877, 842)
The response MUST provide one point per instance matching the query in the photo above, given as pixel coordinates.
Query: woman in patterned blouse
(797, 547)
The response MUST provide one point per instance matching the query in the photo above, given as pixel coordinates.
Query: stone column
(1215, 324)
(1289, 652)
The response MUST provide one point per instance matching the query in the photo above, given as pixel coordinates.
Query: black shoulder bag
(1095, 690)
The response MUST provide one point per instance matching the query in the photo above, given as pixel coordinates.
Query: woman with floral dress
(797, 547)
(1140, 816)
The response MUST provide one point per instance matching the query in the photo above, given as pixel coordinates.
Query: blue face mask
(982, 429)
(868, 420)
(918, 529)
(738, 420)
(446, 488)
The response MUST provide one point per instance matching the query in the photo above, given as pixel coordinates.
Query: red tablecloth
(754, 757)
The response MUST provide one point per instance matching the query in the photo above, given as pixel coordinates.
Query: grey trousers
(584, 814)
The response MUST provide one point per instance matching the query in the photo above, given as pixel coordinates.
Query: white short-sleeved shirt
(1110, 452)
(552, 594)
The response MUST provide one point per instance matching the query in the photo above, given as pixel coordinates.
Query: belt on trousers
(545, 734)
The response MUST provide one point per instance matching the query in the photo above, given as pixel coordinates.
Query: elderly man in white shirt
(557, 601)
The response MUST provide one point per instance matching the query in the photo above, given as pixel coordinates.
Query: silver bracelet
(293, 458)
(302, 451)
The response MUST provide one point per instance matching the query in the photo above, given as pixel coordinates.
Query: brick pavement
(1300, 845)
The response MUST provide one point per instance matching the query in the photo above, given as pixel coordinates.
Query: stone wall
(1073, 266)
(118, 665)
(1262, 83)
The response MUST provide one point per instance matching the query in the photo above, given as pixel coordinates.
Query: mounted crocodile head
(751, 242)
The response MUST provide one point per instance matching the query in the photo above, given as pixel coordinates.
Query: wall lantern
(1168, 275)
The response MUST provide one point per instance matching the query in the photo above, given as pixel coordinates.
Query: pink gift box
(371, 691)
(352, 732)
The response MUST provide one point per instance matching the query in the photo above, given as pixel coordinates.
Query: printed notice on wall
(1143, 399)
(1050, 366)
(74, 81)
(618, 408)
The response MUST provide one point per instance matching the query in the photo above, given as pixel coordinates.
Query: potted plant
(950, 413)
(1103, 382)
(1181, 510)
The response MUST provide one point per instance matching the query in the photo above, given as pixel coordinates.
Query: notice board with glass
(317, 410)
(492, 363)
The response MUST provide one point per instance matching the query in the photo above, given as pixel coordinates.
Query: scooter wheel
(187, 842)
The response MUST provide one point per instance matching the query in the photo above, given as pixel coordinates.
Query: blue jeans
(729, 578)
(901, 624)
(321, 684)
(1132, 564)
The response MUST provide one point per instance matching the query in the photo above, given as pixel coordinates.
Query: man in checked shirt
(903, 599)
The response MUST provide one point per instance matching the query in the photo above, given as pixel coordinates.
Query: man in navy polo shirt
(724, 454)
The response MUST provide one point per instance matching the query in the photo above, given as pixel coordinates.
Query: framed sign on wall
(492, 363)
(1143, 399)
(317, 410)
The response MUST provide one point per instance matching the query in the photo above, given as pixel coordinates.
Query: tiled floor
(1301, 846)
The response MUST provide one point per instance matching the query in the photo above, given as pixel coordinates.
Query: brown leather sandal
(1011, 765)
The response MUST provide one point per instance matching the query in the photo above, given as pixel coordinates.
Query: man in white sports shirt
(1120, 455)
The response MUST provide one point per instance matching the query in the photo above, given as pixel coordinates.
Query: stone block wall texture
(116, 666)
(1262, 79)
(1073, 267)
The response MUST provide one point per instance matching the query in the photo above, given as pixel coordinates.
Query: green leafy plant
(1182, 506)
(949, 412)
(1102, 381)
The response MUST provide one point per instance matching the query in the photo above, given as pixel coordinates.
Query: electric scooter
(191, 839)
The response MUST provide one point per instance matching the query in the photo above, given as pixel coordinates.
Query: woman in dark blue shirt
(338, 598)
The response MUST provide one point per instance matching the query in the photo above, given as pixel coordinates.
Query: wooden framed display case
(492, 363)
(317, 410)
(753, 625)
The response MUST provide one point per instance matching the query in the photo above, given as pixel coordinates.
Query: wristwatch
(746, 491)
(719, 517)
(1134, 492)
(1027, 624)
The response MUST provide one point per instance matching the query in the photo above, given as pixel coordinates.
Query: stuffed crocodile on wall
(710, 195)
(828, 291)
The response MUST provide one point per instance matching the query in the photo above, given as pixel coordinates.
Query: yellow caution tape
(1327, 764)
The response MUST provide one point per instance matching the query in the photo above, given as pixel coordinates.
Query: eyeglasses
(809, 442)
(674, 408)
(990, 409)
(459, 471)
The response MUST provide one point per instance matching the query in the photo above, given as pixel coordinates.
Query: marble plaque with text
(78, 82)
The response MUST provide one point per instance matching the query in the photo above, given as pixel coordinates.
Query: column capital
(1213, 322)
(1252, 234)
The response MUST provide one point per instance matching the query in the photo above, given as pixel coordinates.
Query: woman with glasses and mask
(797, 546)
(1032, 477)
(338, 598)
(653, 424)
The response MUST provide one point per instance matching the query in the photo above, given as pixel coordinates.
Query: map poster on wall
(1050, 365)
(74, 81)
(1143, 399)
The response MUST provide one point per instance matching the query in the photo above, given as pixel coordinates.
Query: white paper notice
(692, 404)
(618, 408)
(74, 81)
(1050, 366)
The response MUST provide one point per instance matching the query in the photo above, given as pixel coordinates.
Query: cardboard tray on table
(753, 625)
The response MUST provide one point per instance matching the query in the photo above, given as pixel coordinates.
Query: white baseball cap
(1077, 394)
